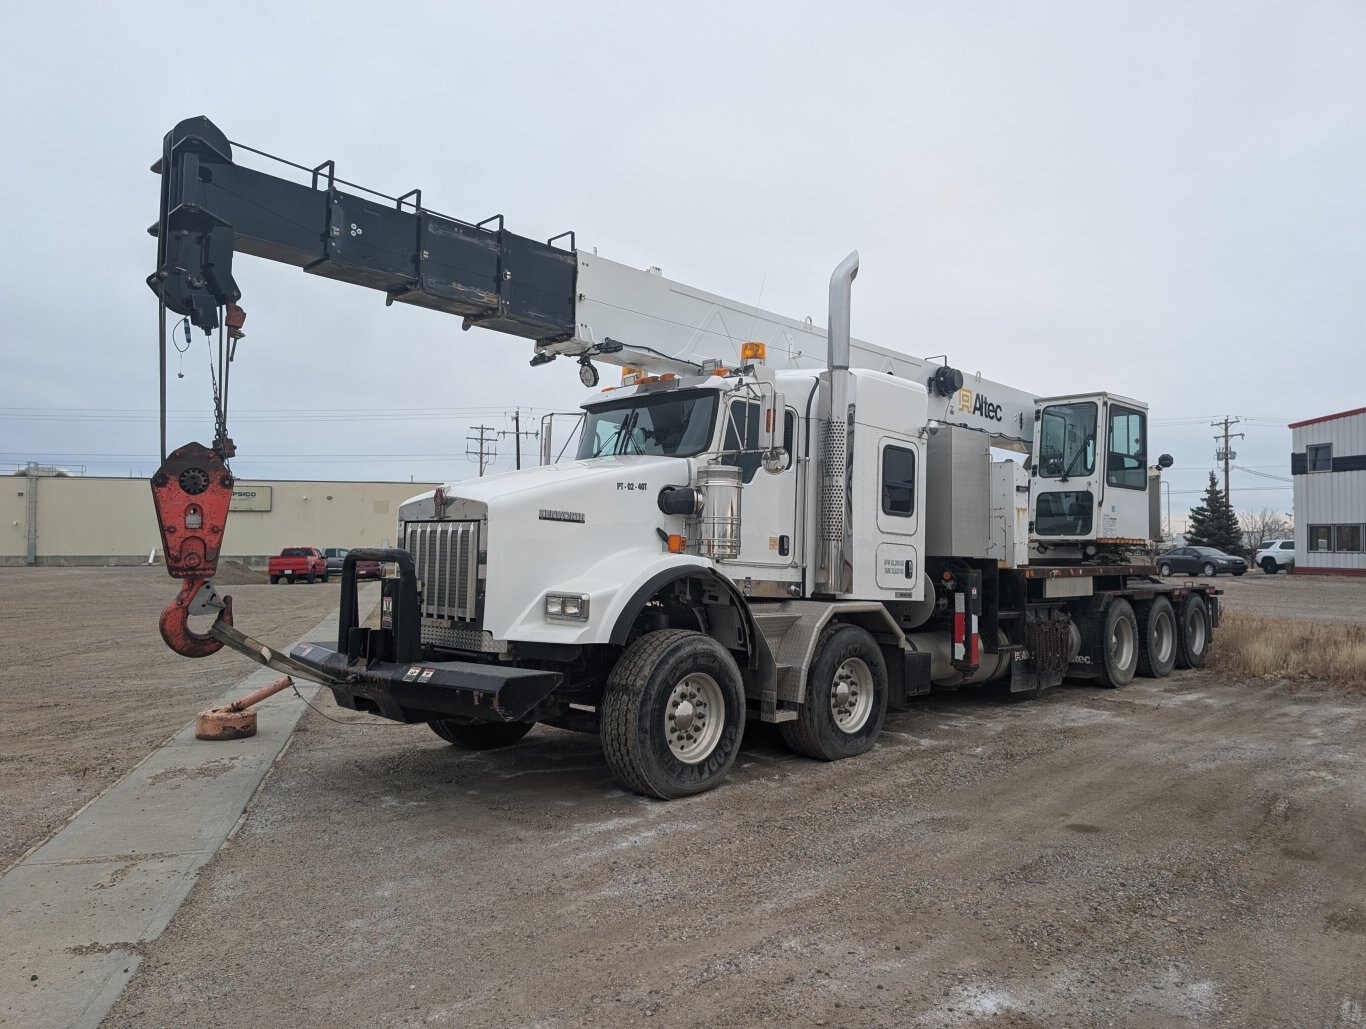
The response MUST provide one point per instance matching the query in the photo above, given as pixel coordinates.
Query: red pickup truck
(295, 563)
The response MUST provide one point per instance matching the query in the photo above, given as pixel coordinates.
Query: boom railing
(212, 207)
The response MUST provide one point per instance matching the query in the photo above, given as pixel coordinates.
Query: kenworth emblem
(551, 515)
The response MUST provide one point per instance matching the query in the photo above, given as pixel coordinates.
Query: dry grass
(1249, 647)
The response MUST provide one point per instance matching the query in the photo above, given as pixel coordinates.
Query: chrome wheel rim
(694, 717)
(851, 695)
(1195, 632)
(1122, 644)
(1164, 638)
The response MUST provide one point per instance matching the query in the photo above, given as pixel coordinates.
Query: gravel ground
(90, 688)
(1182, 851)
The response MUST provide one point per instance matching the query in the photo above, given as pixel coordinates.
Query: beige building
(87, 520)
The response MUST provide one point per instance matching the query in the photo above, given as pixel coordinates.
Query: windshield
(674, 424)
(1067, 440)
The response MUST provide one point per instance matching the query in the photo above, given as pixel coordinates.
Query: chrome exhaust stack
(836, 567)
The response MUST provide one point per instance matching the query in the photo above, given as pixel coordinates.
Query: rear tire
(274, 579)
(846, 697)
(1157, 640)
(673, 714)
(1193, 633)
(1270, 566)
(479, 735)
(1114, 644)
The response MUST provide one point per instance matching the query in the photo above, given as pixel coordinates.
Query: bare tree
(1263, 525)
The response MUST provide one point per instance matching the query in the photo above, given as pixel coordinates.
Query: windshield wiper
(626, 427)
(1072, 464)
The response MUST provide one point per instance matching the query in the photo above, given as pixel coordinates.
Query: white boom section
(666, 326)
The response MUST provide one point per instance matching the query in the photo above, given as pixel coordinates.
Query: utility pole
(1225, 454)
(485, 452)
(517, 434)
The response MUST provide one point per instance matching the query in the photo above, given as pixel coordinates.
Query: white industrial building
(57, 519)
(1328, 465)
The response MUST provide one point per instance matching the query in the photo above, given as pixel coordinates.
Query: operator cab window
(1067, 440)
(1125, 464)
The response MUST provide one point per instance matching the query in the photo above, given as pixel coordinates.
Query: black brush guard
(382, 671)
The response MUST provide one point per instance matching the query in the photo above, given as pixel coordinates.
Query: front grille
(446, 557)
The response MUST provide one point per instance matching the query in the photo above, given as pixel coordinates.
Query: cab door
(769, 541)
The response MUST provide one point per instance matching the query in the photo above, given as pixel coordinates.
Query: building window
(1347, 539)
(1319, 457)
(1125, 465)
(898, 481)
(1320, 539)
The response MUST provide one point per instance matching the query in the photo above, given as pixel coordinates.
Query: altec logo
(978, 404)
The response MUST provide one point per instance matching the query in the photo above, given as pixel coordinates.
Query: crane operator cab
(1090, 471)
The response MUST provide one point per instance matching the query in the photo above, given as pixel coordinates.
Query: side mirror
(771, 421)
(1165, 461)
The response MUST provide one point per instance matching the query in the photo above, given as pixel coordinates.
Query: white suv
(1273, 555)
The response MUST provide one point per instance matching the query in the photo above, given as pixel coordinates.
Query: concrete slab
(77, 909)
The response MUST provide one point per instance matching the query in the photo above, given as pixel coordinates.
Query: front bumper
(382, 670)
(436, 689)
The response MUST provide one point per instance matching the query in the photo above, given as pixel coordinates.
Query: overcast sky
(1160, 199)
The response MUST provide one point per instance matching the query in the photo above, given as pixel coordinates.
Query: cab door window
(1067, 440)
(740, 445)
(1126, 466)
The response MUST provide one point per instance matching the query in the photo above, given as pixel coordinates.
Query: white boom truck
(762, 521)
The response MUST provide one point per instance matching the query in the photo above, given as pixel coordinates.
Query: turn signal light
(630, 376)
(677, 544)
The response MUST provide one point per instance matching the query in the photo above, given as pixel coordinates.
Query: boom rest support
(211, 206)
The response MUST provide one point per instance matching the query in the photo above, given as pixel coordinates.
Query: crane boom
(570, 303)
(211, 206)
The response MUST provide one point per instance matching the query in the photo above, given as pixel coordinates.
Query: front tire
(479, 735)
(312, 576)
(846, 697)
(1164, 570)
(1208, 569)
(1157, 640)
(673, 714)
(1114, 643)
(1193, 633)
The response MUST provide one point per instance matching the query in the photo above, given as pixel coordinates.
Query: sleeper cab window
(898, 481)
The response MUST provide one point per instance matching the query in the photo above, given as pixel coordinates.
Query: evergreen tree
(1213, 523)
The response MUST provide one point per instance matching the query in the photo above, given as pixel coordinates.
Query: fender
(631, 610)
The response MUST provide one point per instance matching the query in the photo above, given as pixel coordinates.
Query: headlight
(567, 607)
